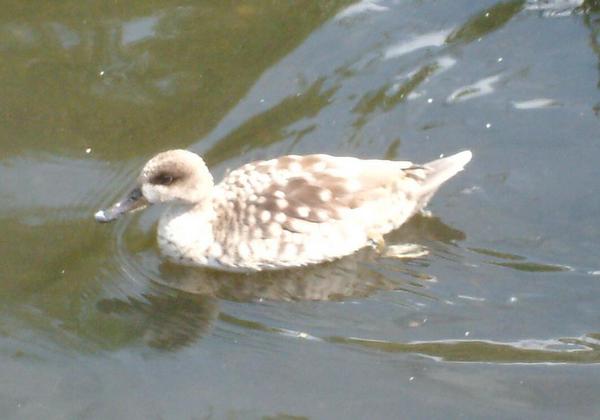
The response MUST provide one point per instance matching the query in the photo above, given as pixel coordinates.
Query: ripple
(475, 90)
(359, 8)
(154, 297)
(520, 263)
(170, 306)
(497, 254)
(432, 39)
(584, 349)
(569, 350)
(554, 8)
(536, 103)
(533, 267)
(44, 177)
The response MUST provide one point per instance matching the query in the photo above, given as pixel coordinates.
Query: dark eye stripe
(163, 179)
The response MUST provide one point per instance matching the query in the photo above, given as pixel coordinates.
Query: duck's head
(175, 176)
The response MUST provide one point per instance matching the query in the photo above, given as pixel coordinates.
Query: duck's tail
(441, 170)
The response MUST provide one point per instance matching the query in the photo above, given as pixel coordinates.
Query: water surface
(496, 313)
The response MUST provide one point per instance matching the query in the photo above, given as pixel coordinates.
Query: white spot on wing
(243, 250)
(353, 185)
(215, 250)
(322, 215)
(279, 180)
(319, 166)
(265, 216)
(289, 251)
(275, 229)
(280, 217)
(281, 203)
(303, 211)
(325, 195)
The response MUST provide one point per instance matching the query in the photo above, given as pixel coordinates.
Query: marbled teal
(280, 213)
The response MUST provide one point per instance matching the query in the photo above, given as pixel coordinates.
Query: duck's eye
(163, 179)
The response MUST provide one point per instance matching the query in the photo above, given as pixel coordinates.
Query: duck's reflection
(346, 278)
(165, 322)
(184, 301)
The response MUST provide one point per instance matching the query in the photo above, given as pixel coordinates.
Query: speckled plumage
(285, 212)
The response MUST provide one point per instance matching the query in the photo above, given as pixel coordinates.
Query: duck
(283, 213)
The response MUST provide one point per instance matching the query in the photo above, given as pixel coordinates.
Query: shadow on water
(182, 304)
(179, 304)
(486, 21)
(267, 127)
(165, 322)
(591, 10)
(138, 75)
(168, 307)
(387, 97)
(138, 299)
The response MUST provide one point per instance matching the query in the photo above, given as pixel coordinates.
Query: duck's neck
(185, 231)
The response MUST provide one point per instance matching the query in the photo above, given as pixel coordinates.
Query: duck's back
(298, 210)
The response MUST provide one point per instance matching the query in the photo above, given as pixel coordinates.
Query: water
(495, 316)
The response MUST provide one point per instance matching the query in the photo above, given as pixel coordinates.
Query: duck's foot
(377, 242)
(425, 213)
(403, 251)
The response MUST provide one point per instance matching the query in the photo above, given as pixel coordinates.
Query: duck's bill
(133, 201)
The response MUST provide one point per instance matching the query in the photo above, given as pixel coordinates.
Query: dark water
(499, 317)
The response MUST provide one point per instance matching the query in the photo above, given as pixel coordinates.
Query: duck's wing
(297, 210)
(300, 191)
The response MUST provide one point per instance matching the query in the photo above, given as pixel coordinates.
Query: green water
(500, 318)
